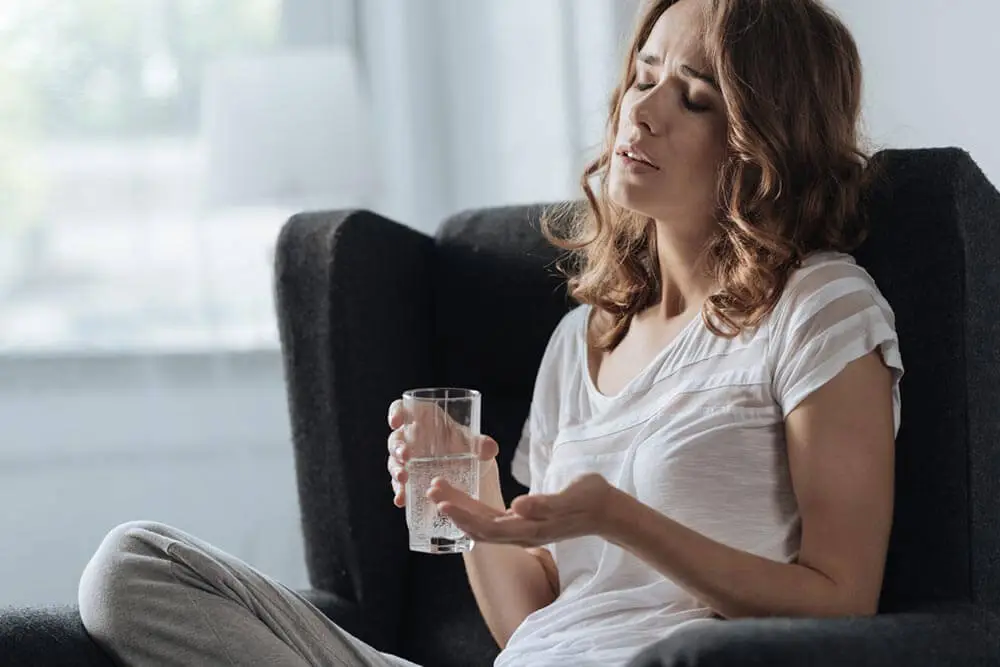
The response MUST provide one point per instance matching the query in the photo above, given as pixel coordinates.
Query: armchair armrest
(354, 312)
(50, 636)
(959, 636)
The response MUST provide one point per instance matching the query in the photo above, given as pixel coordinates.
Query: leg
(153, 595)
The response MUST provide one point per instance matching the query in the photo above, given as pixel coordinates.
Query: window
(149, 152)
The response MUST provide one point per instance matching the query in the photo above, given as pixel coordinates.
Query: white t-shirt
(699, 436)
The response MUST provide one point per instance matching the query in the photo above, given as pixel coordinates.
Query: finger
(396, 443)
(396, 415)
(466, 520)
(441, 491)
(397, 471)
(521, 530)
(510, 529)
(399, 497)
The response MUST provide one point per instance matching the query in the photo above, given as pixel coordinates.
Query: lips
(633, 152)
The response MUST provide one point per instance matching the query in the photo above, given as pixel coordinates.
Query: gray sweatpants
(153, 595)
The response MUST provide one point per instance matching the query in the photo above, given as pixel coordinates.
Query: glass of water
(441, 430)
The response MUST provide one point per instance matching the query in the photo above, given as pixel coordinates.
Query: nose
(641, 114)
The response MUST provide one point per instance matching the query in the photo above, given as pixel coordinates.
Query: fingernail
(399, 452)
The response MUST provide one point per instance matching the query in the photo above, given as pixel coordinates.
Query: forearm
(509, 582)
(732, 582)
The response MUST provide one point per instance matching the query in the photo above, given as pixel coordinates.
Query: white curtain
(485, 103)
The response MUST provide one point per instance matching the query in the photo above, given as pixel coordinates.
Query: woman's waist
(601, 622)
(654, 605)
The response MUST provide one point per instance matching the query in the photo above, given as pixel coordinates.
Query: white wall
(930, 68)
(200, 442)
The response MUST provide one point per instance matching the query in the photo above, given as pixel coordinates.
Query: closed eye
(688, 104)
(696, 108)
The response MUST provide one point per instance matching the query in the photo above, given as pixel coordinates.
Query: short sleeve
(830, 314)
(531, 458)
(520, 466)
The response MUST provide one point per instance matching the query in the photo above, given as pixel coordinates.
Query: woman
(712, 430)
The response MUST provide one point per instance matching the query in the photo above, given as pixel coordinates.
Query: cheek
(705, 143)
(703, 153)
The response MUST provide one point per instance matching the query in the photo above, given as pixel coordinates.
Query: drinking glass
(441, 429)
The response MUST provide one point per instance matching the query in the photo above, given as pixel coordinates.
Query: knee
(116, 581)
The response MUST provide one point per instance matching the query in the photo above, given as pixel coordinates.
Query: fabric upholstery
(495, 303)
(354, 317)
(47, 637)
(934, 251)
(964, 635)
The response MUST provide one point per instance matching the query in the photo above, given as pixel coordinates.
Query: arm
(840, 445)
(509, 582)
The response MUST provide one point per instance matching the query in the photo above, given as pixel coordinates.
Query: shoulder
(830, 313)
(830, 284)
(565, 340)
(569, 330)
(553, 377)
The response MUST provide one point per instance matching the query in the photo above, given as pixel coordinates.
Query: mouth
(632, 155)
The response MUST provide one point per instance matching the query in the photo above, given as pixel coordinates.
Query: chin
(631, 196)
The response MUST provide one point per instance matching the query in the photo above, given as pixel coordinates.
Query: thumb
(488, 448)
(531, 507)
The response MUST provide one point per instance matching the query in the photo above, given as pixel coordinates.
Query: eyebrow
(655, 61)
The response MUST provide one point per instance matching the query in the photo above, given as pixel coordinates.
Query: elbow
(848, 602)
(850, 605)
(857, 599)
(860, 607)
(846, 596)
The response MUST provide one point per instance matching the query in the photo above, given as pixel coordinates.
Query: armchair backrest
(934, 251)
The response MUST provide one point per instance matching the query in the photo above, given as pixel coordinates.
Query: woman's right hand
(418, 425)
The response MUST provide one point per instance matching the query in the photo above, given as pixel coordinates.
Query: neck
(684, 282)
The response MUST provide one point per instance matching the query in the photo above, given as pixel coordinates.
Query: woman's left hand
(532, 520)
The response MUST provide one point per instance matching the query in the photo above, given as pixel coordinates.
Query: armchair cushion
(962, 635)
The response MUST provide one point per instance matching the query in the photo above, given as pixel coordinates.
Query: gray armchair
(368, 308)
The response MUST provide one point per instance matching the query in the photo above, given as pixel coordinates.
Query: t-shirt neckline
(630, 386)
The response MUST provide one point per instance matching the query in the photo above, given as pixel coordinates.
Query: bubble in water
(422, 517)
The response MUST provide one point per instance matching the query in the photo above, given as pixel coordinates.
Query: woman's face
(671, 134)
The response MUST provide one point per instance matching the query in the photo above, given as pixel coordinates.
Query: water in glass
(430, 531)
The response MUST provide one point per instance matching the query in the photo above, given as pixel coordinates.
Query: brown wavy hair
(791, 182)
